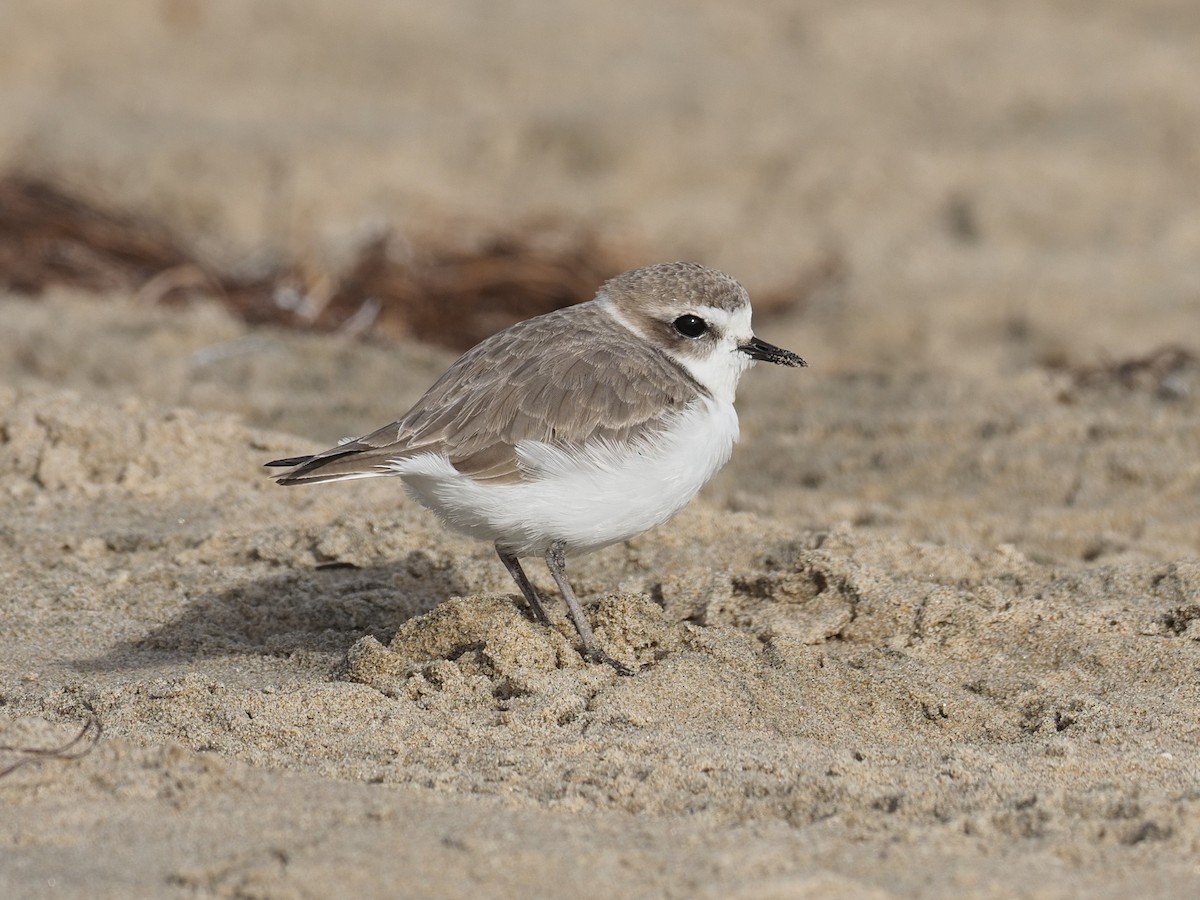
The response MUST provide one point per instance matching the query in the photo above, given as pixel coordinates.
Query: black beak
(761, 350)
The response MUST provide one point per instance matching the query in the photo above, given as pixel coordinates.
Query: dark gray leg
(557, 563)
(514, 569)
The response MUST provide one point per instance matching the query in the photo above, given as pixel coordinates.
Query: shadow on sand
(322, 610)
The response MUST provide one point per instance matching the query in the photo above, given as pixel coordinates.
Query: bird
(575, 429)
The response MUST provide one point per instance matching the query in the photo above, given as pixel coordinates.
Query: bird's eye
(690, 326)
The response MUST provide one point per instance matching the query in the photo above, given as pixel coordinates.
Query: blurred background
(971, 186)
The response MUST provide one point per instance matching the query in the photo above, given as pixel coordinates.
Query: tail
(337, 464)
(288, 463)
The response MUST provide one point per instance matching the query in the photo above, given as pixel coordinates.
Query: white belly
(588, 500)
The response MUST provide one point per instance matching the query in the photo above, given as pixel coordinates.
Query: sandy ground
(935, 631)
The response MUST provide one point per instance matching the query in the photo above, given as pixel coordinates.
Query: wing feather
(566, 378)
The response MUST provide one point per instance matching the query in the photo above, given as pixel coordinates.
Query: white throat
(719, 371)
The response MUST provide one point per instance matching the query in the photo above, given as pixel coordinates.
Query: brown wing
(567, 377)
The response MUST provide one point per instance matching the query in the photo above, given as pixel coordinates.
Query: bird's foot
(595, 654)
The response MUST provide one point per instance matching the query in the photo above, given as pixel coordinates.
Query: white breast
(589, 498)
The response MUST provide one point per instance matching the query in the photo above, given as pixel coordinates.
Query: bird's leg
(514, 569)
(557, 563)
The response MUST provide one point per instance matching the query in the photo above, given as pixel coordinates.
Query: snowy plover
(576, 429)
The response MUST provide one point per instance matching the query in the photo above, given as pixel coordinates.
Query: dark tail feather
(288, 463)
(338, 464)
